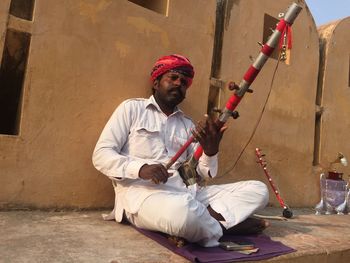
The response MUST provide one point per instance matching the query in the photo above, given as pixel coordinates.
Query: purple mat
(195, 253)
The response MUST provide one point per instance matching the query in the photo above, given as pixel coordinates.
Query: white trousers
(184, 215)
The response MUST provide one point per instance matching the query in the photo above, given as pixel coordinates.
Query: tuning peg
(250, 91)
(251, 58)
(232, 86)
(260, 44)
(235, 114)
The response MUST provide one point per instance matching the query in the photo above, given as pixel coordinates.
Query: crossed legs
(204, 218)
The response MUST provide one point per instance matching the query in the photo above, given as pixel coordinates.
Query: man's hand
(209, 135)
(155, 172)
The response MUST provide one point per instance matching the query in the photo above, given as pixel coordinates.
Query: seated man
(138, 141)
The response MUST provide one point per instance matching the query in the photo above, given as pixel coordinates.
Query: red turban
(173, 62)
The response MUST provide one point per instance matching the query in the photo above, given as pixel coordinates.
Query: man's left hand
(209, 135)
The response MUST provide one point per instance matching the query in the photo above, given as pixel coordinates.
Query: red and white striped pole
(248, 78)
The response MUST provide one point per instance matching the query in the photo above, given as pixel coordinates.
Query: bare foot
(177, 241)
(248, 226)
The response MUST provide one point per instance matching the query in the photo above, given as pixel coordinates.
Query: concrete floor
(37, 236)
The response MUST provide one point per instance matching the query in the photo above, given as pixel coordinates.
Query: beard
(175, 95)
(168, 95)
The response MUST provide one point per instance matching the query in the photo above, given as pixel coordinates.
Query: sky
(325, 11)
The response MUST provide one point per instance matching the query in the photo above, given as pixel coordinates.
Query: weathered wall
(279, 116)
(334, 93)
(86, 56)
(4, 6)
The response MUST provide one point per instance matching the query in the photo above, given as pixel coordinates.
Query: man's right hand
(155, 172)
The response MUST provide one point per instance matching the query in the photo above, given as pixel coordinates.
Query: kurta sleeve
(208, 166)
(106, 156)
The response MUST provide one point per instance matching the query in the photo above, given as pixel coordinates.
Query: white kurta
(139, 133)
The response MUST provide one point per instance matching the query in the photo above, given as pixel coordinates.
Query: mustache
(175, 88)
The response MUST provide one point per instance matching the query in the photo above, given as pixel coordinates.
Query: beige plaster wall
(4, 9)
(335, 88)
(279, 116)
(86, 56)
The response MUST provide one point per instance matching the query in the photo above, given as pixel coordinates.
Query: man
(141, 137)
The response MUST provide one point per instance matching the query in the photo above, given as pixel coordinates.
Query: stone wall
(85, 58)
(334, 95)
(279, 117)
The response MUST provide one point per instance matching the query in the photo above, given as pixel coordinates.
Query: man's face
(171, 88)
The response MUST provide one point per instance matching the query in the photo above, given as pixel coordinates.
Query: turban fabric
(173, 62)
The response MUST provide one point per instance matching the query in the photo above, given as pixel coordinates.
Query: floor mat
(195, 253)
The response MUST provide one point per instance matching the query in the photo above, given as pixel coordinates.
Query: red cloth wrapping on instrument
(288, 32)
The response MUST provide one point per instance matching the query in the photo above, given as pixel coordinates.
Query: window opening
(12, 71)
(22, 9)
(270, 23)
(317, 138)
(159, 6)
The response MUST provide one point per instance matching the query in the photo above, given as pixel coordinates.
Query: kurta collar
(152, 101)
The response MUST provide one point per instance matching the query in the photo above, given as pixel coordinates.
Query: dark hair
(157, 79)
